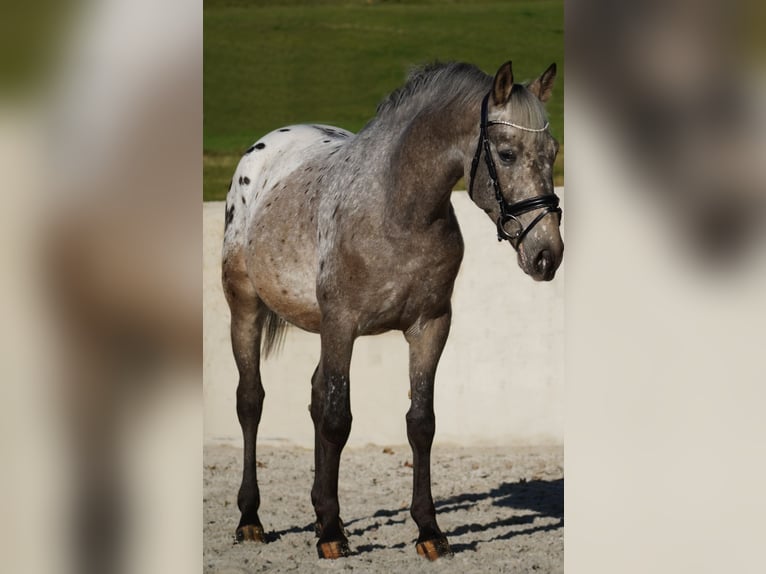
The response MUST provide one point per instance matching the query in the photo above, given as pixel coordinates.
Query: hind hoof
(250, 532)
(433, 549)
(334, 549)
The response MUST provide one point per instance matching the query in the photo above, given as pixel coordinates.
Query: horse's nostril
(544, 261)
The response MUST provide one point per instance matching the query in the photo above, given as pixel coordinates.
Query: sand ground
(502, 510)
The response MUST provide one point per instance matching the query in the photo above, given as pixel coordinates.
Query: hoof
(433, 549)
(334, 549)
(250, 532)
(318, 528)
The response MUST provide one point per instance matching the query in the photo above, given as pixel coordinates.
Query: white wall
(500, 379)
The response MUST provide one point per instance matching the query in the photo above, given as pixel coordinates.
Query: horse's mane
(443, 83)
(425, 83)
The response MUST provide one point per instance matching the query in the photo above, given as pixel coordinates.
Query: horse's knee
(335, 423)
(421, 425)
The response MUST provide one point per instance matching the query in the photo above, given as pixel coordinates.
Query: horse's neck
(428, 162)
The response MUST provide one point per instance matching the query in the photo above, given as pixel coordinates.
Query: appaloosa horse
(347, 235)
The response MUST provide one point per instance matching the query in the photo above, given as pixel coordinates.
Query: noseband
(549, 203)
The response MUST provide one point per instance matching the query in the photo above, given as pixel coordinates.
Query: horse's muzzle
(544, 267)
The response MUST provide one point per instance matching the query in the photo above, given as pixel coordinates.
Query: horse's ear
(543, 86)
(503, 84)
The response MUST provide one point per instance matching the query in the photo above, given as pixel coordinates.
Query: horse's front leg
(426, 344)
(331, 411)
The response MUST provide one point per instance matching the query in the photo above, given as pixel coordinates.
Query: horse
(348, 235)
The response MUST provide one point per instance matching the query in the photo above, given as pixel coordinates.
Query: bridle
(509, 212)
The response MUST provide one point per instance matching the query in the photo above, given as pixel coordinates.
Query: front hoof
(433, 549)
(318, 528)
(252, 532)
(334, 549)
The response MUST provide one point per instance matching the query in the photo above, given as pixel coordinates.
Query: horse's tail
(273, 333)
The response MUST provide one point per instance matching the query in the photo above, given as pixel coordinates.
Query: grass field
(268, 64)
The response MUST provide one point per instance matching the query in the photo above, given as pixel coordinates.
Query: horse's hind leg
(315, 408)
(426, 345)
(247, 316)
(331, 412)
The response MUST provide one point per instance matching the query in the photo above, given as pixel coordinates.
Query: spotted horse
(348, 235)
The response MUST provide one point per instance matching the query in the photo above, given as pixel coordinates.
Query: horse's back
(271, 214)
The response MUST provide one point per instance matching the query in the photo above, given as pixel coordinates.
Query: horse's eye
(507, 156)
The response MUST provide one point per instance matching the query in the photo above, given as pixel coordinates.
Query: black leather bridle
(509, 212)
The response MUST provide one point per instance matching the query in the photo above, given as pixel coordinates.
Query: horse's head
(511, 175)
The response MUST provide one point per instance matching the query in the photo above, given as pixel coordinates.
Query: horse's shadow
(534, 499)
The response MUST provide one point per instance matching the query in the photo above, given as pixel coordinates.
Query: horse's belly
(299, 310)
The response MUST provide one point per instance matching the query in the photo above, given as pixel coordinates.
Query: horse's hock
(500, 379)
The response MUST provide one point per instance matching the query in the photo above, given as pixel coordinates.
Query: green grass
(269, 64)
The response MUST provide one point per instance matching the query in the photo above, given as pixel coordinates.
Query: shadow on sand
(530, 501)
(536, 499)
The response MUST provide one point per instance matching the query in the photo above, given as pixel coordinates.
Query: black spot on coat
(260, 145)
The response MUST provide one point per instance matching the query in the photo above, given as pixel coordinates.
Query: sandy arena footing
(502, 510)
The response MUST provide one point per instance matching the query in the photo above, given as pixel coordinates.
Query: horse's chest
(391, 284)
(430, 276)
